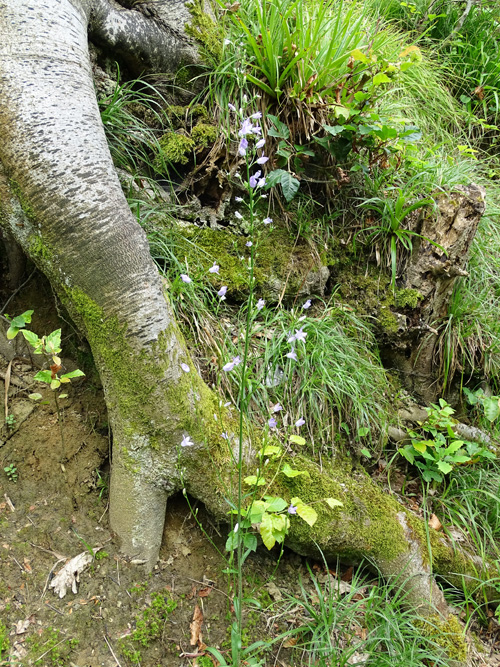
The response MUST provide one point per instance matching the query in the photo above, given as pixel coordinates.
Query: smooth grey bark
(61, 200)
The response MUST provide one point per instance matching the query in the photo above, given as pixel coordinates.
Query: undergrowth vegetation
(364, 122)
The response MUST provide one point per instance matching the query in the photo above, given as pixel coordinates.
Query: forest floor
(53, 507)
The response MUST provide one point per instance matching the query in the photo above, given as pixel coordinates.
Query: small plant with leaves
(50, 347)
(436, 450)
(11, 472)
(10, 421)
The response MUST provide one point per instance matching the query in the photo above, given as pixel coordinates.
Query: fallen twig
(112, 652)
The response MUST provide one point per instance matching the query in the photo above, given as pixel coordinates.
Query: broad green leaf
(279, 522)
(73, 374)
(491, 408)
(297, 440)
(275, 504)
(270, 450)
(380, 78)
(63, 395)
(366, 452)
(282, 131)
(266, 531)
(290, 472)
(253, 480)
(44, 376)
(333, 502)
(333, 129)
(407, 452)
(55, 383)
(31, 337)
(364, 430)
(341, 111)
(256, 511)
(444, 467)
(12, 332)
(35, 397)
(64, 379)
(305, 512)
(232, 541)
(289, 185)
(53, 342)
(454, 447)
(359, 55)
(420, 446)
(250, 541)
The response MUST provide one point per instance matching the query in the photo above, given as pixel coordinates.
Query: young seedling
(50, 347)
(11, 472)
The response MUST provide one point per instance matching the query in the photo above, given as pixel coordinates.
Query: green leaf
(491, 407)
(35, 397)
(297, 440)
(420, 446)
(31, 337)
(44, 376)
(281, 131)
(266, 531)
(333, 502)
(364, 430)
(73, 374)
(380, 78)
(454, 447)
(250, 541)
(253, 480)
(53, 342)
(274, 504)
(366, 452)
(270, 450)
(289, 185)
(333, 129)
(63, 395)
(256, 511)
(290, 472)
(444, 467)
(339, 110)
(232, 541)
(305, 512)
(359, 55)
(12, 332)
(55, 383)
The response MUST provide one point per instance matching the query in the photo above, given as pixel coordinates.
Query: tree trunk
(61, 200)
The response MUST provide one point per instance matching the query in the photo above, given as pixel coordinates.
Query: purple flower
(300, 422)
(222, 292)
(262, 160)
(242, 148)
(307, 304)
(227, 404)
(256, 129)
(214, 268)
(276, 408)
(238, 199)
(185, 278)
(272, 422)
(292, 355)
(260, 143)
(257, 115)
(261, 183)
(292, 510)
(267, 221)
(230, 106)
(238, 215)
(300, 335)
(185, 368)
(260, 304)
(225, 435)
(231, 364)
(249, 244)
(246, 128)
(253, 180)
(186, 441)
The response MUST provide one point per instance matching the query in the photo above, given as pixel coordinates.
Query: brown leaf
(195, 626)
(203, 592)
(347, 576)
(435, 523)
(290, 642)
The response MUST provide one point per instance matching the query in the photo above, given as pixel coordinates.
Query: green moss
(55, 651)
(175, 148)
(407, 298)
(203, 135)
(148, 626)
(279, 260)
(448, 634)
(208, 33)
